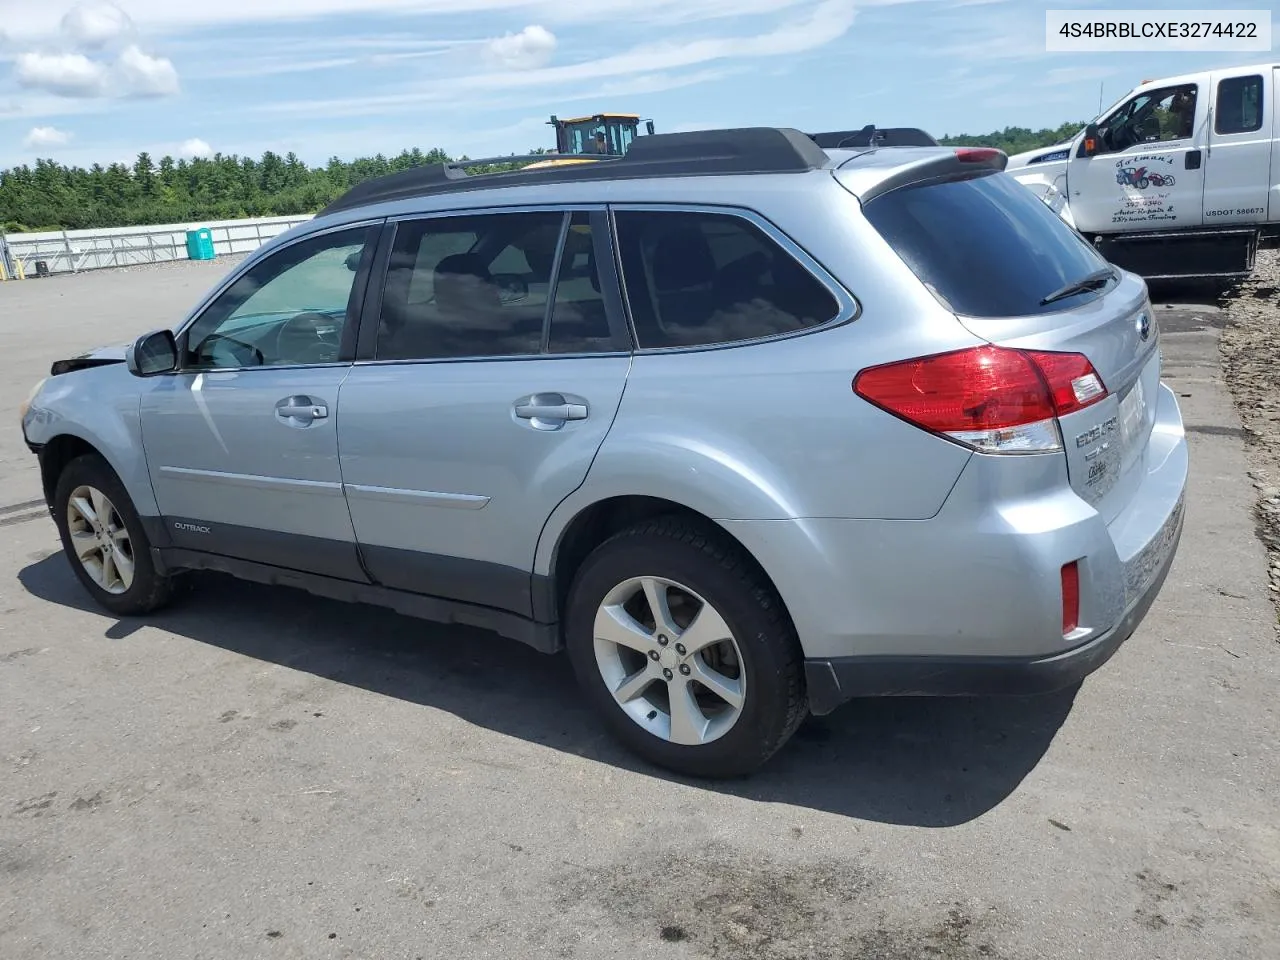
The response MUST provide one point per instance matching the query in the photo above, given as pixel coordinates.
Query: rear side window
(985, 246)
(695, 279)
(1239, 105)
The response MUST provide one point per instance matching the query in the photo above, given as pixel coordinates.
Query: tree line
(52, 196)
(1015, 139)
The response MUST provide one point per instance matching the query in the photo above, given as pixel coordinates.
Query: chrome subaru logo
(1144, 326)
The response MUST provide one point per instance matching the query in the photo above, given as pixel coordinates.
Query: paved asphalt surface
(258, 773)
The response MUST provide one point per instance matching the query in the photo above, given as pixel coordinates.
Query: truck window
(985, 246)
(1156, 116)
(1239, 107)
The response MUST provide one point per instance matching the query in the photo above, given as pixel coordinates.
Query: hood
(1053, 154)
(97, 357)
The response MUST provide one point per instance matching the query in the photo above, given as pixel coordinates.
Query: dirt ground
(1250, 347)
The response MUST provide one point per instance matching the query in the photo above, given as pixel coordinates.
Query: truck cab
(1179, 178)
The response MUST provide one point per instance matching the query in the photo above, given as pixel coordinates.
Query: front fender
(1052, 191)
(721, 480)
(99, 406)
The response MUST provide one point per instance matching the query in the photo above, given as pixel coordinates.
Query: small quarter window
(695, 279)
(579, 323)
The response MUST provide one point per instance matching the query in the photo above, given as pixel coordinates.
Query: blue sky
(97, 82)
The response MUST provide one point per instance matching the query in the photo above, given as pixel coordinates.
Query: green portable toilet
(200, 244)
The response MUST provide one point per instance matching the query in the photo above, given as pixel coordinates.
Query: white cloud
(68, 74)
(195, 147)
(35, 19)
(133, 74)
(828, 21)
(94, 25)
(46, 137)
(531, 47)
(142, 75)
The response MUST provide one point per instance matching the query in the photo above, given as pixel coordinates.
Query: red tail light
(1071, 379)
(1070, 597)
(990, 398)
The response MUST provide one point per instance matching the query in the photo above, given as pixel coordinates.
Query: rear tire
(714, 686)
(104, 540)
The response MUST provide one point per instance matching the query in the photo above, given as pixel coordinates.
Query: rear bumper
(970, 601)
(832, 682)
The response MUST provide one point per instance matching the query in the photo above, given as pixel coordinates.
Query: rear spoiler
(960, 161)
(871, 136)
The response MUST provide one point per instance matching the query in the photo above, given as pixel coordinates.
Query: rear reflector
(992, 399)
(1070, 598)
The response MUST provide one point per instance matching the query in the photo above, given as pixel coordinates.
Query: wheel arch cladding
(60, 450)
(597, 522)
(700, 481)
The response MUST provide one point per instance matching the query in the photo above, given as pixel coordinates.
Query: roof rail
(872, 136)
(465, 162)
(744, 150)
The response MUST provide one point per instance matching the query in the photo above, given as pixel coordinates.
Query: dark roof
(746, 150)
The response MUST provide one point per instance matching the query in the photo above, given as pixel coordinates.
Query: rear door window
(1239, 105)
(986, 246)
(468, 286)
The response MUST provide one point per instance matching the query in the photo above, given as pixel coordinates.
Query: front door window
(290, 309)
(1156, 116)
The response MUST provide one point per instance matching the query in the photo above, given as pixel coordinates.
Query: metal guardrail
(71, 251)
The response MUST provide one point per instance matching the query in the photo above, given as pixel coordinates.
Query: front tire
(684, 648)
(104, 540)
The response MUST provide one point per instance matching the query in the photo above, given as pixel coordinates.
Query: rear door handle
(300, 411)
(551, 409)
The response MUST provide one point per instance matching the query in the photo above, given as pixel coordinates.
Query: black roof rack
(745, 150)
(872, 136)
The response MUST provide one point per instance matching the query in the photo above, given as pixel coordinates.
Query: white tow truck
(1180, 178)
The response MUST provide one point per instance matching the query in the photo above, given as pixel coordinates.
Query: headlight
(26, 404)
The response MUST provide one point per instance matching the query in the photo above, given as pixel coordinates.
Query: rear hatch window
(986, 246)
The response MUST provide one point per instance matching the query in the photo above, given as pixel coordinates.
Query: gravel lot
(1251, 359)
(258, 773)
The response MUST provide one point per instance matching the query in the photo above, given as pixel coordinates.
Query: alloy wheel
(670, 660)
(100, 539)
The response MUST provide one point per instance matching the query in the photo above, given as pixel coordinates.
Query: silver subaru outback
(747, 426)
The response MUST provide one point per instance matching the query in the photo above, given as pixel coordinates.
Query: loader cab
(608, 134)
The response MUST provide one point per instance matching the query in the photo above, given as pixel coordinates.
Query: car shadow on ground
(932, 763)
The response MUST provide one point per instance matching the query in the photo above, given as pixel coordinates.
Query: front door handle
(300, 411)
(1193, 160)
(551, 410)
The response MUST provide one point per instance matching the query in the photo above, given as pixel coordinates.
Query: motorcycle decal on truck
(1142, 178)
(1137, 172)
